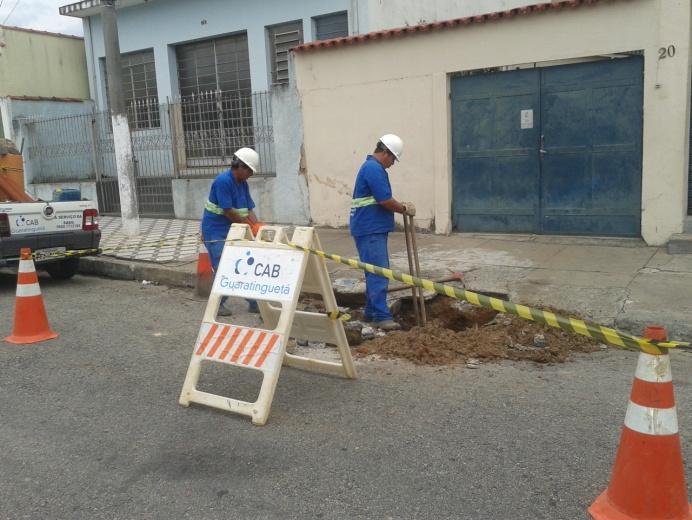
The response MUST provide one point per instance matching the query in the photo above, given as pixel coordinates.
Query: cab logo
(22, 221)
(247, 265)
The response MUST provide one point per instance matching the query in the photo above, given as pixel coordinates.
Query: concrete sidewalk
(616, 282)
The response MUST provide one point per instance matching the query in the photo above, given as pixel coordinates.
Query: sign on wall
(526, 119)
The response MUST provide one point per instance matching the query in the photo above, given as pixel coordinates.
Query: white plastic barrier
(274, 274)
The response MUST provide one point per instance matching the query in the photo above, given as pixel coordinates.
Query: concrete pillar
(441, 156)
(122, 141)
(666, 124)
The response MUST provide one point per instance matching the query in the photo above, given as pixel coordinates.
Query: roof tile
(436, 26)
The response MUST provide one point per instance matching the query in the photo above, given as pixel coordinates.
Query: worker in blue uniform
(372, 219)
(230, 201)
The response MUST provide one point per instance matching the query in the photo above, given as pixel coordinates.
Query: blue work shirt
(372, 181)
(225, 193)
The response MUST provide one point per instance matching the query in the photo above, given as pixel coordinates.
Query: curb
(132, 270)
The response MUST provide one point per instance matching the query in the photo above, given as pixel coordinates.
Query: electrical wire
(11, 11)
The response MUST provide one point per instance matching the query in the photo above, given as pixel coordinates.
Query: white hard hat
(394, 144)
(249, 157)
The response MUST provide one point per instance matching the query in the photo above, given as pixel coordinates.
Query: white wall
(400, 13)
(349, 98)
(189, 196)
(290, 194)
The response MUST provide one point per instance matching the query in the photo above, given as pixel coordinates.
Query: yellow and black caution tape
(585, 328)
(68, 253)
(338, 315)
(116, 249)
(582, 327)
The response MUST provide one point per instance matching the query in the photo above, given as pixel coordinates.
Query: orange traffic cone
(648, 480)
(205, 274)
(30, 320)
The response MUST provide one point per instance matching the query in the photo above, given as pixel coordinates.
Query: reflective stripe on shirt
(362, 202)
(216, 210)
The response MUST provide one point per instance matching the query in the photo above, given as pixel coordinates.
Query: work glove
(409, 209)
(254, 226)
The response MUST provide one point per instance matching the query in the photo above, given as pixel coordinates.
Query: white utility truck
(57, 231)
(50, 229)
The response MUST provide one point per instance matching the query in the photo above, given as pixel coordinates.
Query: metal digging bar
(421, 296)
(409, 254)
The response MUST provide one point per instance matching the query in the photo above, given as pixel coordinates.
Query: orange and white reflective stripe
(27, 280)
(651, 421)
(651, 409)
(654, 369)
(238, 345)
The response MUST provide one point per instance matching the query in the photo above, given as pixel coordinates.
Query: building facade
(206, 77)
(184, 47)
(43, 74)
(539, 119)
(221, 67)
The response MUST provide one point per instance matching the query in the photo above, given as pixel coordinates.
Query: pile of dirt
(450, 313)
(457, 332)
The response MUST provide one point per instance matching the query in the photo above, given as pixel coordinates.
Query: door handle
(542, 149)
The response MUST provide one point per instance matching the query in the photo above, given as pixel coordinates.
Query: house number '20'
(666, 52)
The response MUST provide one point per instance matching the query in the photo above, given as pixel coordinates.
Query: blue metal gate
(553, 150)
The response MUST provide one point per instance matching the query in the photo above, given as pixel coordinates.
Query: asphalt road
(90, 426)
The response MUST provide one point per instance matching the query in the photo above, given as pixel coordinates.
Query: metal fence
(191, 137)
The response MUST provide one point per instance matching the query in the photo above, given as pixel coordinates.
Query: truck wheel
(63, 270)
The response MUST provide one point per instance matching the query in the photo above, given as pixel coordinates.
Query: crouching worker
(372, 219)
(230, 202)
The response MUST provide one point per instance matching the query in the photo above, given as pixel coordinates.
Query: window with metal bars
(282, 38)
(216, 98)
(139, 88)
(331, 26)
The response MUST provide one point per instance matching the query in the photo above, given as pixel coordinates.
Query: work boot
(224, 311)
(386, 325)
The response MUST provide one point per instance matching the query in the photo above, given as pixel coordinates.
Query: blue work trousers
(215, 249)
(372, 249)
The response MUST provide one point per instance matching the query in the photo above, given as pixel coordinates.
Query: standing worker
(372, 218)
(230, 201)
